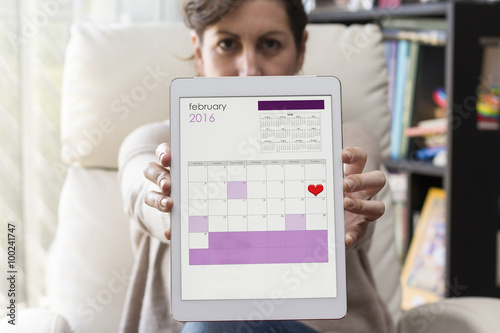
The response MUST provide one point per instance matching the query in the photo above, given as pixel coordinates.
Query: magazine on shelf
(422, 278)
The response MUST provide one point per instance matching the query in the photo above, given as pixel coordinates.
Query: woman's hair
(201, 14)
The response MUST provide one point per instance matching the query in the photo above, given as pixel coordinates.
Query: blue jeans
(247, 327)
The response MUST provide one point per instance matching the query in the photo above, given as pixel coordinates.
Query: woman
(243, 37)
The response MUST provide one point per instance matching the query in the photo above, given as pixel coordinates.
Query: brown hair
(201, 14)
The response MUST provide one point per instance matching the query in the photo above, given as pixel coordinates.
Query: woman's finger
(354, 159)
(158, 200)
(371, 183)
(167, 233)
(354, 236)
(164, 155)
(159, 176)
(371, 210)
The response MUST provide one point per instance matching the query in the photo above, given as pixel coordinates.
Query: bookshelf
(471, 176)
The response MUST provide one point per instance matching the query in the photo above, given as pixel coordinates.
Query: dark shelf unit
(330, 13)
(472, 175)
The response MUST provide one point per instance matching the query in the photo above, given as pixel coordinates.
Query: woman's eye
(227, 44)
(271, 44)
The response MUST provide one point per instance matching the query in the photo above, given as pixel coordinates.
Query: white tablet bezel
(272, 308)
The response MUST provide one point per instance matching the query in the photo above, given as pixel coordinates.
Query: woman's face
(253, 39)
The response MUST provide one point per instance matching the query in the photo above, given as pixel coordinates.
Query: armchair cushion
(116, 79)
(91, 258)
(458, 315)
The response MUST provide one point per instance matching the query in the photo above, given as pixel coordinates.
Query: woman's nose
(248, 64)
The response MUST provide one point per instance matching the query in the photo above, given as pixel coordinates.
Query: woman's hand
(359, 188)
(159, 174)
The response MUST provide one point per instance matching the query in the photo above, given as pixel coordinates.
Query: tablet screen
(257, 213)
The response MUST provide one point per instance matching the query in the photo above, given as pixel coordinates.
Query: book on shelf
(429, 37)
(422, 278)
(430, 135)
(430, 31)
(409, 96)
(415, 24)
(391, 51)
(398, 182)
(399, 90)
(388, 3)
(428, 127)
(328, 6)
(402, 85)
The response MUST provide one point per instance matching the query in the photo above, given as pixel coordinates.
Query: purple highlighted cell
(295, 238)
(218, 256)
(317, 238)
(198, 224)
(257, 239)
(276, 255)
(237, 239)
(296, 254)
(295, 222)
(217, 240)
(291, 105)
(276, 239)
(261, 247)
(238, 256)
(198, 257)
(317, 254)
(257, 255)
(236, 190)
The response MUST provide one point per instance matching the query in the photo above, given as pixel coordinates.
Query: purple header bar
(292, 105)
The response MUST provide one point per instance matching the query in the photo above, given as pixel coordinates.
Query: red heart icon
(315, 189)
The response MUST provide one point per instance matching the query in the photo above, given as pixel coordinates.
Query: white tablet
(258, 220)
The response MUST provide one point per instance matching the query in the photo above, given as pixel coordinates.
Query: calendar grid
(257, 212)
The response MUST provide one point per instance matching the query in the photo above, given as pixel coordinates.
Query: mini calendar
(257, 212)
(290, 132)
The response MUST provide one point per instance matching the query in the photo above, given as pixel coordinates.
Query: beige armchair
(117, 79)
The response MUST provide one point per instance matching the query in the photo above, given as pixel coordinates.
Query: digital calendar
(257, 190)
(257, 212)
